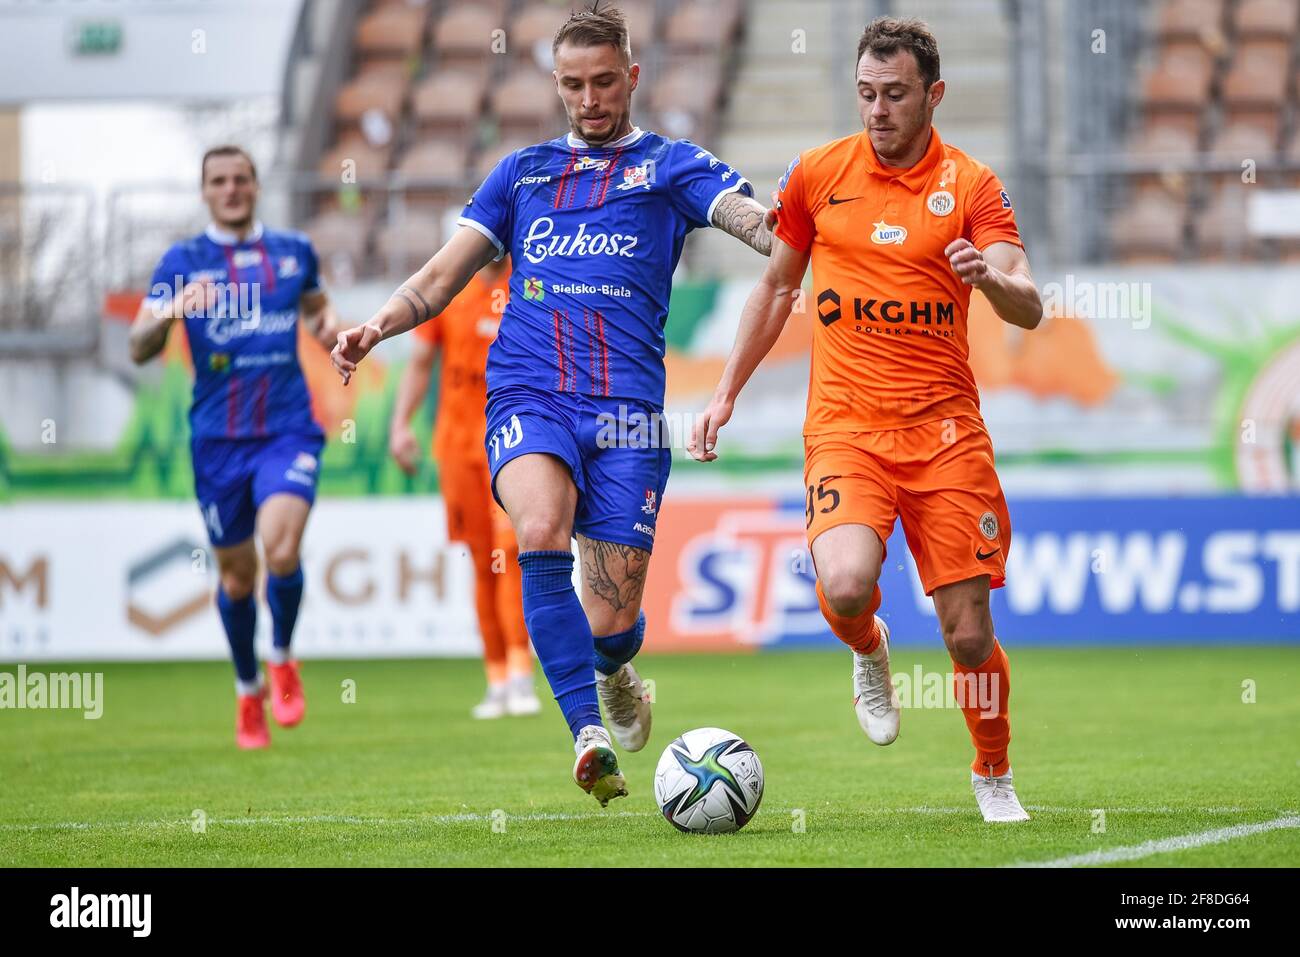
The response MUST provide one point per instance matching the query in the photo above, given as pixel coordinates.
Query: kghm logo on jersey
(634, 176)
(887, 235)
(533, 289)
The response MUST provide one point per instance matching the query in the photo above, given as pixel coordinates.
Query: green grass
(1158, 738)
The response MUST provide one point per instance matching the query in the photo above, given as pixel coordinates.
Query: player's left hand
(771, 216)
(354, 345)
(967, 262)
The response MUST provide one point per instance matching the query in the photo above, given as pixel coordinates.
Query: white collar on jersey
(223, 237)
(626, 139)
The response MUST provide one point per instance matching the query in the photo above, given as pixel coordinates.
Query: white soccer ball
(709, 781)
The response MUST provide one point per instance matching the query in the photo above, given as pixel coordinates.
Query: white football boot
(521, 699)
(493, 704)
(997, 798)
(875, 698)
(627, 707)
(596, 769)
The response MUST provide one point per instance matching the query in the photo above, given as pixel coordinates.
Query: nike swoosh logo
(836, 202)
(981, 556)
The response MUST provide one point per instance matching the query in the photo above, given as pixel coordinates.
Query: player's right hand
(403, 447)
(704, 437)
(354, 345)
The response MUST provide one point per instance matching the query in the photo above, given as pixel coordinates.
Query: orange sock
(982, 694)
(859, 632)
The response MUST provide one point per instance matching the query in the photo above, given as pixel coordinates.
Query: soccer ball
(709, 781)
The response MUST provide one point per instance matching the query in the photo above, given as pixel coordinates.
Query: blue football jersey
(594, 234)
(247, 380)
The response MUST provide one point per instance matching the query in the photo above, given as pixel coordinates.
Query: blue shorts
(233, 477)
(616, 451)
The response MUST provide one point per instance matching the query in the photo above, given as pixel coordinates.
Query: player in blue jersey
(594, 223)
(239, 291)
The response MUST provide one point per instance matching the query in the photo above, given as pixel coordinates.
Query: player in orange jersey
(463, 331)
(899, 227)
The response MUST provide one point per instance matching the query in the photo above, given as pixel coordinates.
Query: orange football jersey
(889, 349)
(464, 331)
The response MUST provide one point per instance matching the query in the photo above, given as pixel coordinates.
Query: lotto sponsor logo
(541, 242)
(887, 235)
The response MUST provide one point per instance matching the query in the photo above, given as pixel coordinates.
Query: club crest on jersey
(288, 267)
(649, 507)
(941, 202)
(533, 289)
(887, 235)
(305, 462)
(634, 176)
(588, 162)
(989, 526)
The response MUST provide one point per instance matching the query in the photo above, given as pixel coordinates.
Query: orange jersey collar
(913, 177)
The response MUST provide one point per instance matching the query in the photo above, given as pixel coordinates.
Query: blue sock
(240, 620)
(614, 651)
(560, 633)
(284, 594)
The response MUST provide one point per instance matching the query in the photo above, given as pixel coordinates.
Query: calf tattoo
(613, 571)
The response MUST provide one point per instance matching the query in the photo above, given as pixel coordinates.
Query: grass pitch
(1159, 739)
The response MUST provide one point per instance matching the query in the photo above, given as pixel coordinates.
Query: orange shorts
(937, 476)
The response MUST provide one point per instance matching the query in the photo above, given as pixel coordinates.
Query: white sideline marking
(1167, 845)
(471, 817)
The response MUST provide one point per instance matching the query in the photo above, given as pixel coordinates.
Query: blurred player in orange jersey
(463, 331)
(898, 227)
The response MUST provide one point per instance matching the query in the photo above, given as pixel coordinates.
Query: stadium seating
(432, 101)
(1219, 96)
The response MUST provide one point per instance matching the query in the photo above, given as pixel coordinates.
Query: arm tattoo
(417, 315)
(742, 217)
(614, 572)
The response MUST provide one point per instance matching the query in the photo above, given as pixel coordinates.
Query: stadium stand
(425, 111)
(1219, 114)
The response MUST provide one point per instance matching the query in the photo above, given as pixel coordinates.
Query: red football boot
(251, 731)
(288, 704)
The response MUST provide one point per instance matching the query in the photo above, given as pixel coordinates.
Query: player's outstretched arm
(747, 219)
(318, 315)
(764, 316)
(411, 389)
(1002, 273)
(149, 328)
(421, 297)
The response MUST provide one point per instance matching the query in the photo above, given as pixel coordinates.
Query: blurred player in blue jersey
(240, 291)
(594, 223)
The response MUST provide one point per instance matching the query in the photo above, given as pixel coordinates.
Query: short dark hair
(595, 27)
(885, 36)
(228, 149)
